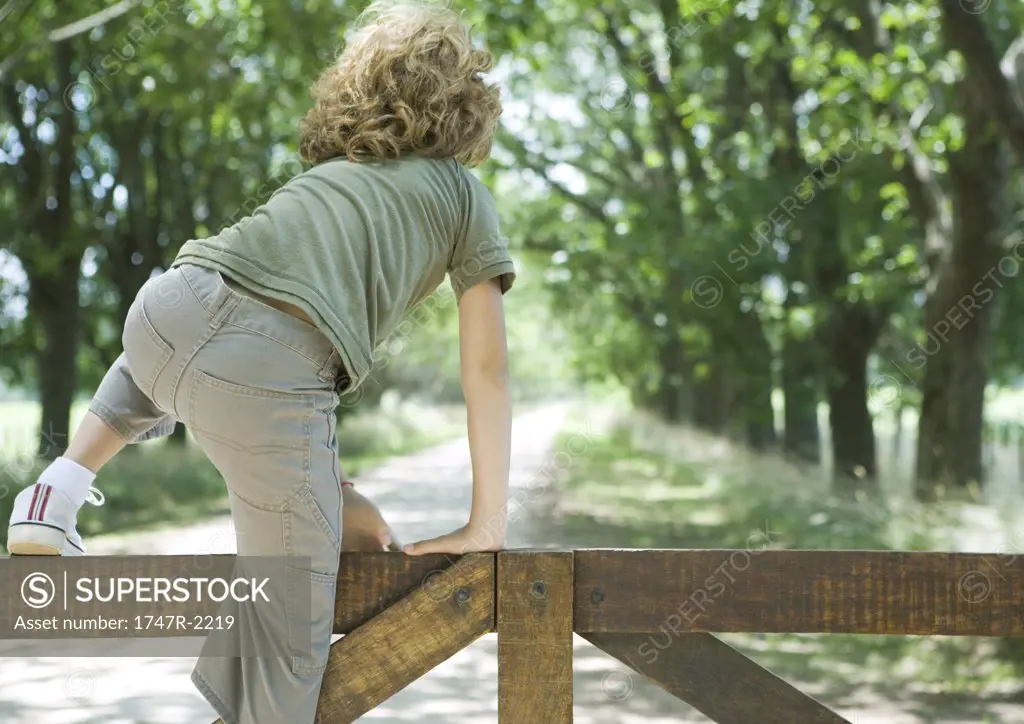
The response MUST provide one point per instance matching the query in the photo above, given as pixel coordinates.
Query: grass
(645, 484)
(690, 493)
(156, 483)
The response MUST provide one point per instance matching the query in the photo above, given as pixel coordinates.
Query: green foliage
(173, 112)
(692, 187)
(173, 138)
(714, 184)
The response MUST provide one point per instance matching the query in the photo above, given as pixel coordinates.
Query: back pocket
(259, 439)
(145, 350)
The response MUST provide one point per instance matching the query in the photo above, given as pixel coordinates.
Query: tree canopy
(724, 201)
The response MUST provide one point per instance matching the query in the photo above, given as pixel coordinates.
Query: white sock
(70, 478)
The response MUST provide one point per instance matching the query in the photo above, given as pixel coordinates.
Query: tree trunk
(958, 313)
(801, 437)
(759, 416)
(713, 400)
(134, 252)
(53, 276)
(897, 437)
(933, 427)
(54, 302)
(670, 395)
(1001, 95)
(757, 382)
(800, 381)
(669, 404)
(852, 332)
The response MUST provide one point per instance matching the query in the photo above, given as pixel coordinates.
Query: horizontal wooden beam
(871, 592)
(715, 679)
(795, 591)
(368, 583)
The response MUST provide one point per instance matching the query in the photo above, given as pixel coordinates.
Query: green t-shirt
(357, 245)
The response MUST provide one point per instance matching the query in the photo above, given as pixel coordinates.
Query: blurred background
(776, 247)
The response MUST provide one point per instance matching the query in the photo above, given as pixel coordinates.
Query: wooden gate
(653, 610)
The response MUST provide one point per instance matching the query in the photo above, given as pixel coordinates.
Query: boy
(251, 335)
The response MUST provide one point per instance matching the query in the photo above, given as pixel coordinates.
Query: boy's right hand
(467, 539)
(363, 527)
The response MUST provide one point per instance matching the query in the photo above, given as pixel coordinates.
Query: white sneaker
(43, 522)
(73, 545)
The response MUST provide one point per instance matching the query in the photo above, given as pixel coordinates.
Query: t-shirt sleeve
(482, 252)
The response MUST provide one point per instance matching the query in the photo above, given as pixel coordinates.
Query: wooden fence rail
(654, 610)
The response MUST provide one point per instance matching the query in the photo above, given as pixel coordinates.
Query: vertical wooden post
(534, 624)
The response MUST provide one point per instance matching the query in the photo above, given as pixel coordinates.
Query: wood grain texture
(794, 591)
(370, 582)
(534, 623)
(715, 679)
(408, 639)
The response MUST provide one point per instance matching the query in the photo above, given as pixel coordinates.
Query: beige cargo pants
(258, 389)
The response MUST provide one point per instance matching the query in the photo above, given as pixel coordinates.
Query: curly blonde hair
(408, 82)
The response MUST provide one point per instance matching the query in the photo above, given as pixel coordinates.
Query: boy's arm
(483, 356)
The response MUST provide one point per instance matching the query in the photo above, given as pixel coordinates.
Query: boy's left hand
(467, 539)
(363, 528)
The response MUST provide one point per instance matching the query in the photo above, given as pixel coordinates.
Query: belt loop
(328, 371)
(334, 372)
(226, 308)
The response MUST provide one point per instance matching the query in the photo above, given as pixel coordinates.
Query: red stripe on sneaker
(42, 505)
(32, 506)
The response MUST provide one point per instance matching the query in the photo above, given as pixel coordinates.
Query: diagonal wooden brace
(715, 678)
(403, 616)
(408, 639)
